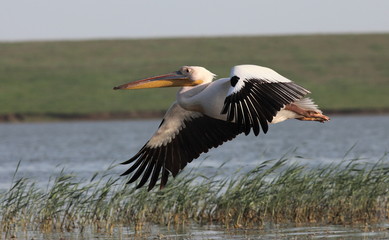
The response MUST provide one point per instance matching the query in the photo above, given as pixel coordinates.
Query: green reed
(352, 191)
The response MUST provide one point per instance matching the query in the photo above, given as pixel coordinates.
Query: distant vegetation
(344, 72)
(351, 192)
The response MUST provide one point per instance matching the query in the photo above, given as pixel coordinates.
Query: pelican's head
(185, 76)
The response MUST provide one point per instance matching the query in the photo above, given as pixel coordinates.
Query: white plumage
(208, 113)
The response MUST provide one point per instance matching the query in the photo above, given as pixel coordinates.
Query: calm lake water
(83, 148)
(193, 231)
(44, 149)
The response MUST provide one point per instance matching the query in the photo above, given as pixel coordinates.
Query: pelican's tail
(308, 104)
(303, 109)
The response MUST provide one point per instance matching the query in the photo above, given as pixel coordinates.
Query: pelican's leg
(307, 115)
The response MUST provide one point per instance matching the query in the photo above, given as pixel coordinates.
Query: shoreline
(44, 117)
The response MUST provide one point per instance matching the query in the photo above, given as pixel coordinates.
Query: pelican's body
(208, 113)
(207, 98)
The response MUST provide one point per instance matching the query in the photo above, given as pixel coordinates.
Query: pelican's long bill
(174, 79)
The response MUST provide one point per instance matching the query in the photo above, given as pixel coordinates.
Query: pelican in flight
(208, 113)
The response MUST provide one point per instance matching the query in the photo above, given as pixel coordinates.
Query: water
(83, 148)
(195, 231)
(44, 149)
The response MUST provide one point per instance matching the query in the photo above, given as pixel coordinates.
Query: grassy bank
(344, 72)
(274, 192)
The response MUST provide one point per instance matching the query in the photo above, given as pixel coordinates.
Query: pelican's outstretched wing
(256, 95)
(182, 136)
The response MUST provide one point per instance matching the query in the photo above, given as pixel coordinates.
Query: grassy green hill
(344, 72)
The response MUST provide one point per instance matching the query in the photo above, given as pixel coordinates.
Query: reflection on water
(272, 231)
(87, 147)
(195, 231)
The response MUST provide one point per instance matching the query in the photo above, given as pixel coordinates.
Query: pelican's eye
(185, 70)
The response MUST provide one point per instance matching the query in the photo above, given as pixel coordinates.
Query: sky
(25, 20)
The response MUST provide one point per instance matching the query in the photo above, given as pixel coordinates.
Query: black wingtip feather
(154, 176)
(138, 172)
(164, 178)
(130, 160)
(197, 136)
(147, 172)
(266, 99)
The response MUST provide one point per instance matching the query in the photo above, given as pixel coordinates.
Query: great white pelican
(208, 113)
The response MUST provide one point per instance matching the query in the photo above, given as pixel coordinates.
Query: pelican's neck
(187, 97)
